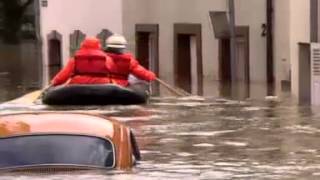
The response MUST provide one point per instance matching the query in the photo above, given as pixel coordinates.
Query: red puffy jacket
(92, 66)
(68, 75)
(87, 67)
(121, 65)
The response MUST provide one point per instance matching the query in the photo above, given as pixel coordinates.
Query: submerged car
(64, 141)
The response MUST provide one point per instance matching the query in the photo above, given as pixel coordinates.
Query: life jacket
(90, 62)
(119, 66)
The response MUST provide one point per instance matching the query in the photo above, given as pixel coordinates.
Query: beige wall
(292, 26)
(299, 32)
(282, 41)
(167, 12)
(89, 16)
(253, 13)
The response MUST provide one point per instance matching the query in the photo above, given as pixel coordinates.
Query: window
(40, 150)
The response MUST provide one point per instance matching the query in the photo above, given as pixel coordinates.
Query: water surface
(212, 138)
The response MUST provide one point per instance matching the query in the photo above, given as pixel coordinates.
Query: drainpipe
(270, 70)
(233, 57)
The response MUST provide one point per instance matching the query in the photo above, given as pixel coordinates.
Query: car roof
(56, 123)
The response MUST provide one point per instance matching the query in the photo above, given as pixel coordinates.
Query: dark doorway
(54, 57)
(225, 67)
(188, 58)
(240, 88)
(184, 63)
(54, 52)
(147, 50)
(143, 50)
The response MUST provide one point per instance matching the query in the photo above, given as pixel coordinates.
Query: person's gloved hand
(152, 76)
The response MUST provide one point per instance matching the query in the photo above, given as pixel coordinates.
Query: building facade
(64, 24)
(177, 39)
(189, 55)
(292, 26)
(268, 35)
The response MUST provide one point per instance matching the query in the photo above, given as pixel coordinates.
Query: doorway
(188, 58)
(225, 68)
(143, 48)
(147, 50)
(240, 88)
(54, 52)
(184, 63)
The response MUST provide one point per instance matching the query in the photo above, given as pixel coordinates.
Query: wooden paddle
(175, 90)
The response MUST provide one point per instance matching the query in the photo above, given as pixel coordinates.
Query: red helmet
(90, 43)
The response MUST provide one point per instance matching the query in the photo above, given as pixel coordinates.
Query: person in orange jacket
(122, 64)
(88, 66)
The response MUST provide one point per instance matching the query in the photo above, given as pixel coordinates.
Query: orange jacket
(67, 75)
(87, 67)
(92, 66)
(121, 65)
(118, 72)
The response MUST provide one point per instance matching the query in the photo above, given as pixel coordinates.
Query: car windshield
(37, 150)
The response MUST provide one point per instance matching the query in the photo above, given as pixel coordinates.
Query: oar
(45, 89)
(176, 91)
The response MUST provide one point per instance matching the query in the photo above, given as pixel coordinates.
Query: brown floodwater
(210, 138)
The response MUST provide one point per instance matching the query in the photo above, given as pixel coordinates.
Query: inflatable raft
(95, 95)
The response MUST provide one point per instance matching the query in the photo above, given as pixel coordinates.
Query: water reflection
(8, 90)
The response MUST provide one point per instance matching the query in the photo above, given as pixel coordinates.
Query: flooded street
(252, 61)
(196, 138)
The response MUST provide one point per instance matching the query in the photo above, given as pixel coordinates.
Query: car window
(35, 150)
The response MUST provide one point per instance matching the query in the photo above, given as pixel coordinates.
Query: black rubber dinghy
(95, 95)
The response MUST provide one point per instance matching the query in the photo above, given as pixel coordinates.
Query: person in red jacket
(88, 66)
(121, 64)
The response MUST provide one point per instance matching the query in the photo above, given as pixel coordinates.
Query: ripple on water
(192, 98)
(137, 118)
(236, 144)
(185, 154)
(303, 129)
(233, 118)
(253, 108)
(168, 140)
(184, 104)
(203, 145)
(204, 133)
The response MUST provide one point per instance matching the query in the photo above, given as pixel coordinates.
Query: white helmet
(116, 41)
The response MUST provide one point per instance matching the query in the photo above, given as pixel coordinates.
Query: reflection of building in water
(20, 56)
